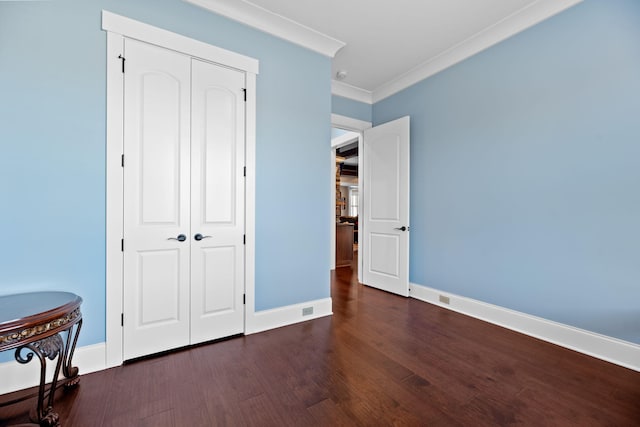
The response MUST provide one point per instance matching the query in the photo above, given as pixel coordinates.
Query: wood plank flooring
(380, 360)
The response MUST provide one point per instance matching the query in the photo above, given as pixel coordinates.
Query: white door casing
(217, 202)
(156, 192)
(385, 231)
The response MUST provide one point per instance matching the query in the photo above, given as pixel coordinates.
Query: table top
(34, 307)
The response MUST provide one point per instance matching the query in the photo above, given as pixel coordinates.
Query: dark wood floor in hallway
(380, 360)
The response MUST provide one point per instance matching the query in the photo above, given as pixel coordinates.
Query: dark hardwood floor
(379, 360)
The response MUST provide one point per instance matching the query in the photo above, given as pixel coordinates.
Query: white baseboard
(92, 358)
(16, 376)
(288, 315)
(612, 350)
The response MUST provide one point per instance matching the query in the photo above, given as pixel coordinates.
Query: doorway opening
(341, 125)
(346, 202)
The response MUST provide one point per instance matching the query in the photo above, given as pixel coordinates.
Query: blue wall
(525, 173)
(52, 163)
(350, 108)
(335, 132)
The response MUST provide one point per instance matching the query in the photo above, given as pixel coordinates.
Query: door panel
(220, 276)
(159, 288)
(384, 254)
(386, 197)
(217, 202)
(219, 155)
(156, 199)
(383, 177)
(159, 148)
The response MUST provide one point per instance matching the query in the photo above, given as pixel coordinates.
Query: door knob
(180, 238)
(199, 237)
(403, 228)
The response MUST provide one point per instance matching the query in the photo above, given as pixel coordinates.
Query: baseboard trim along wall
(282, 316)
(15, 376)
(92, 358)
(612, 350)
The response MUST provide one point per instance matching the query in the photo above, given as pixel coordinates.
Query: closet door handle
(180, 238)
(403, 228)
(199, 237)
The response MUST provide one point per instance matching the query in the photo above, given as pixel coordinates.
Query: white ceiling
(387, 45)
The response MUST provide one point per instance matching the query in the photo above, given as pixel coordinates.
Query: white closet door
(217, 202)
(156, 199)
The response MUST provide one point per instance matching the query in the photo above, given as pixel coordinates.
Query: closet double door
(184, 124)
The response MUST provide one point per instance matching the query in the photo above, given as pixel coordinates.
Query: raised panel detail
(384, 253)
(220, 280)
(219, 156)
(158, 287)
(159, 149)
(384, 179)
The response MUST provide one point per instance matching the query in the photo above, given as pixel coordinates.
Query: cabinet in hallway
(344, 244)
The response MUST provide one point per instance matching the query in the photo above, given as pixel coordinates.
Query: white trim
(612, 350)
(18, 377)
(118, 28)
(283, 316)
(114, 197)
(250, 203)
(348, 123)
(274, 24)
(285, 28)
(147, 33)
(361, 206)
(351, 92)
(519, 21)
(332, 210)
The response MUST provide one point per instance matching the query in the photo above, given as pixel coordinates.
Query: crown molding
(272, 23)
(347, 91)
(507, 27)
(287, 29)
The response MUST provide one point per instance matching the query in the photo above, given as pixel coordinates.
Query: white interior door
(183, 200)
(385, 231)
(217, 202)
(156, 191)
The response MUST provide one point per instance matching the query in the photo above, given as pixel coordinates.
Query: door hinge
(244, 239)
(122, 58)
(244, 299)
(245, 94)
(122, 245)
(121, 319)
(245, 171)
(122, 160)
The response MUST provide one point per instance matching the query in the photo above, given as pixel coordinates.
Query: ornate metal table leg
(47, 348)
(71, 372)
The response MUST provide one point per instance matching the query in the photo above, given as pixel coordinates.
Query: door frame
(358, 126)
(118, 28)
